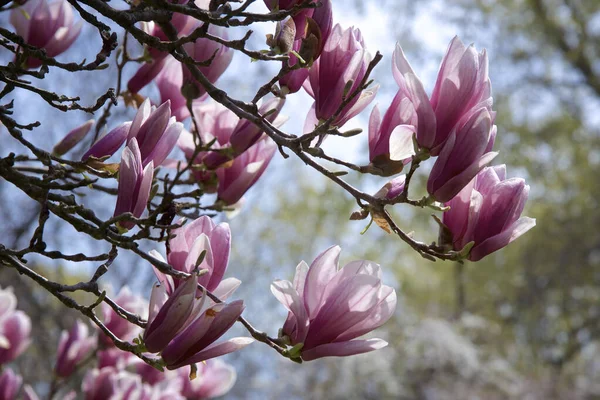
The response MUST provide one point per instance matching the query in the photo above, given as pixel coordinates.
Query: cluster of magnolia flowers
(116, 374)
(329, 307)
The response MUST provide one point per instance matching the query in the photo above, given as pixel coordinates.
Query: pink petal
(343, 349)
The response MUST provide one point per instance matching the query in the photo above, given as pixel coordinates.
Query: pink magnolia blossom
(183, 322)
(312, 28)
(184, 25)
(214, 379)
(411, 104)
(45, 25)
(202, 50)
(462, 84)
(168, 82)
(329, 308)
(111, 383)
(9, 384)
(155, 131)
(336, 74)
(135, 183)
(195, 343)
(74, 346)
(72, 138)
(243, 135)
(186, 246)
(466, 151)
(15, 328)
(488, 212)
(244, 172)
(184, 327)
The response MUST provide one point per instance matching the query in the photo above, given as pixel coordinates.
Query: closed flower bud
(72, 138)
(283, 40)
(330, 308)
(392, 189)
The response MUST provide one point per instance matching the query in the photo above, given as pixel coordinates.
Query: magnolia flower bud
(72, 138)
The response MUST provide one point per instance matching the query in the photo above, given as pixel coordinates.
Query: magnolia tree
(169, 348)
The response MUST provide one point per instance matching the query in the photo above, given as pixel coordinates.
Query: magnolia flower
(111, 383)
(411, 103)
(135, 183)
(154, 129)
(184, 25)
(461, 85)
(188, 243)
(184, 327)
(245, 170)
(183, 323)
(204, 50)
(328, 308)
(48, 26)
(337, 74)
(195, 343)
(243, 135)
(465, 153)
(214, 378)
(168, 82)
(488, 212)
(119, 326)
(74, 346)
(15, 328)
(9, 384)
(306, 34)
(72, 138)
(391, 139)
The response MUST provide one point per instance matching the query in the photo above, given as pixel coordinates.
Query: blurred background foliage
(523, 323)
